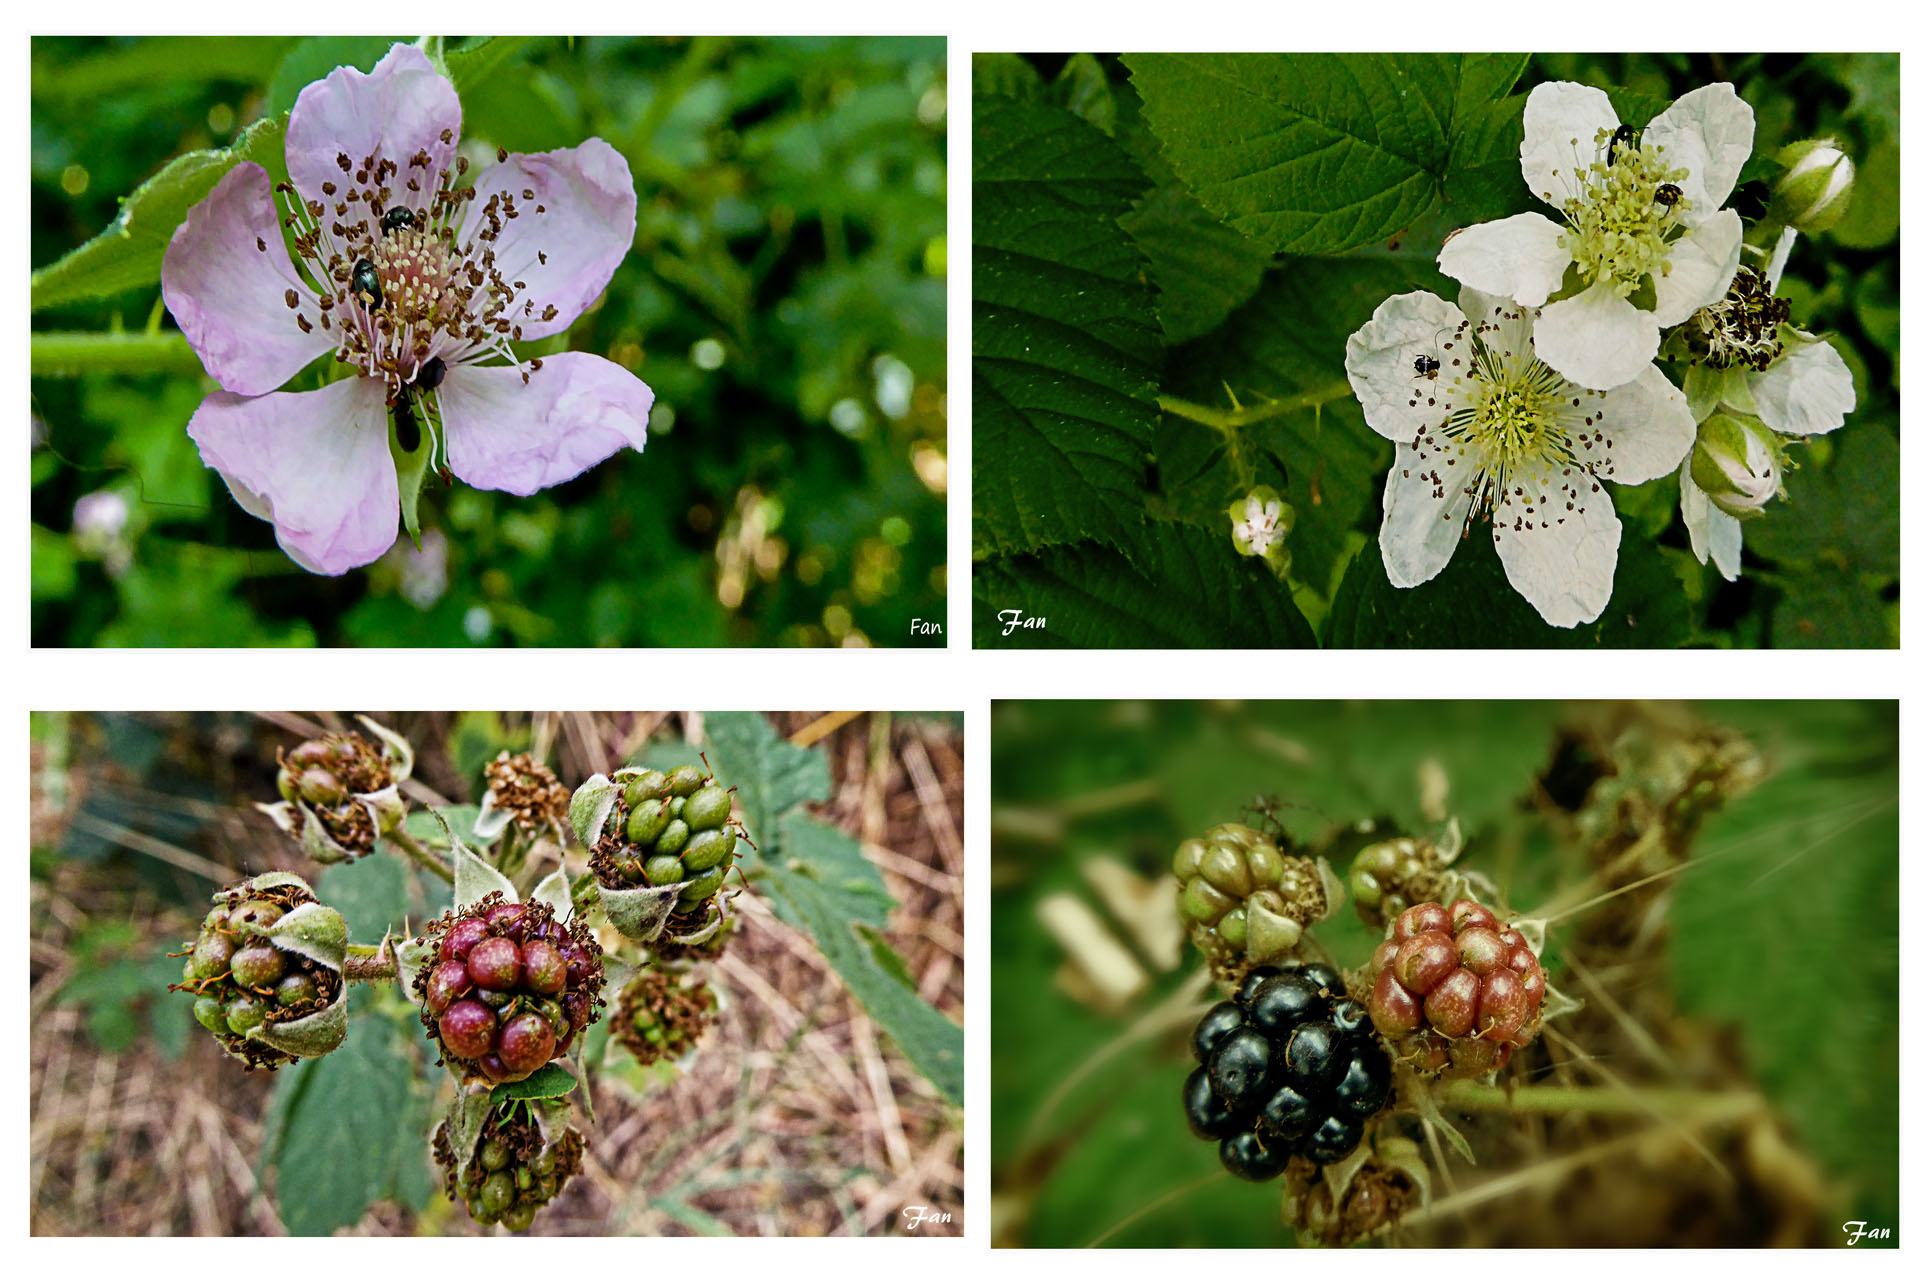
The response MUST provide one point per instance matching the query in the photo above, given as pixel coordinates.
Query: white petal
(1714, 534)
(1709, 132)
(1519, 257)
(1808, 393)
(1422, 524)
(1561, 560)
(1562, 121)
(1397, 401)
(1700, 269)
(1596, 339)
(1505, 327)
(1646, 430)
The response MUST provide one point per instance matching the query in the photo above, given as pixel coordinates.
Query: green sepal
(398, 751)
(409, 958)
(466, 1121)
(308, 1037)
(557, 892)
(315, 931)
(641, 913)
(472, 878)
(592, 802)
(412, 470)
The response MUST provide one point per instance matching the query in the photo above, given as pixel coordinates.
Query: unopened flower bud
(1813, 192)
(1737, 463)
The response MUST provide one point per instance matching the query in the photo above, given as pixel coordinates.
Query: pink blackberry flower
(417, 282)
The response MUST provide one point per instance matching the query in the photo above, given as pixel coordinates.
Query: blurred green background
(785, 298)
(1762, 954)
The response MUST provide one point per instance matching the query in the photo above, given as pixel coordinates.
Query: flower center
(1260, 527)
(1622, 225)
(1742, 328)
(1507, 422)
(401, 269)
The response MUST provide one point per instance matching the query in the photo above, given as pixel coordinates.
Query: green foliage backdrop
(1170, 252)
(785, 298)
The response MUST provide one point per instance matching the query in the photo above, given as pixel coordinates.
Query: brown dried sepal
(657, 1017)
(529, 793)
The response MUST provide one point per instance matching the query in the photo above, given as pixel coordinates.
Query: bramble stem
(419, 853)
(371, 964)
(1231, 420)
(1468, 1095)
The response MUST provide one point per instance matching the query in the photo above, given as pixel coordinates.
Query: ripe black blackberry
(1291, 1066)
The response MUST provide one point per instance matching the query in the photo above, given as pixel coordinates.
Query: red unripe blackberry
(447, 983)
(545, 967)
(1455, 989)
(467, 1027)
(462, 938)
(526, 1043)
(495, 964)
(504, 920)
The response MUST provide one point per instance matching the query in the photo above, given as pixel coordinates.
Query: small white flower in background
(1750, 362)
(1261, 522)
(1482, 428)
(1738, 464)
(1645, 242)
(100, 529)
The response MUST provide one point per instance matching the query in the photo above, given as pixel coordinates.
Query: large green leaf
(824, 884)
(1204, 268)
(127, 255)
(344, 1131)
(1186, 588)
(1066, 344)
(1320, 153)
(772, 774)
(1471, 605)
(1787, 925)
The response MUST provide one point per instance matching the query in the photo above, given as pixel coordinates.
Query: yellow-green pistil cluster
(1621, 227)
(1508, 416)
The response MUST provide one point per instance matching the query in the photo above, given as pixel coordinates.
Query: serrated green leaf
(1066, 345)
(1316, 153)
(332, 1126)
(127, 255)
(772, 774)
(1082, 88)
(1842, 516)
(550, 1081)
(373, 894)
(1005, 75)
(1204, 268)
(1471, 605)
(1187, 588)
(1787, 925)
(470, 66)
(825, 885)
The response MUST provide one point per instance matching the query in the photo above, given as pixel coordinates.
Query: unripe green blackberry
(1389, 876)
(661, 1016)
(650, 831)
(507, 987)
(340, 793)
(265, 972)
(1454, 990)
(512, 1172)
(1245, 902)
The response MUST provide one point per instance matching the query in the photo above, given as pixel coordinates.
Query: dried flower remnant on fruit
(661, 1016)
(265, 972)
(512, 1173)
(528, 794)
(1244, 900)
(339, 794)
(1335, 1212)
(1454, 990)
(1289, 1068)
(508, 988)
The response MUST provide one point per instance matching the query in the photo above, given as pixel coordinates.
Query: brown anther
(293, 300)
(260, 243)
(446, 135)
(306, 326)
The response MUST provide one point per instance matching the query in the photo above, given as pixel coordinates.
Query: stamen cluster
(1621, 227)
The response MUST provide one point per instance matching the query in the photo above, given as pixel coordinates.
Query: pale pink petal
(1560, 559)
(1596, 338)
(1519, 257)
(1425, 513)
(575, 412)
(1708, 132)
(1713, 533)
(315, 463)
(1643, 431)
(1562, 120)
(580, 216)
(1808, 393)
(229, 295)
(1700, 270)
(1398, 402)
(398, 109)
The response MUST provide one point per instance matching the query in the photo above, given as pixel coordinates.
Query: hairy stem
(371, 964)
(400, 840)
(1229, 421)
(1468, 1095)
